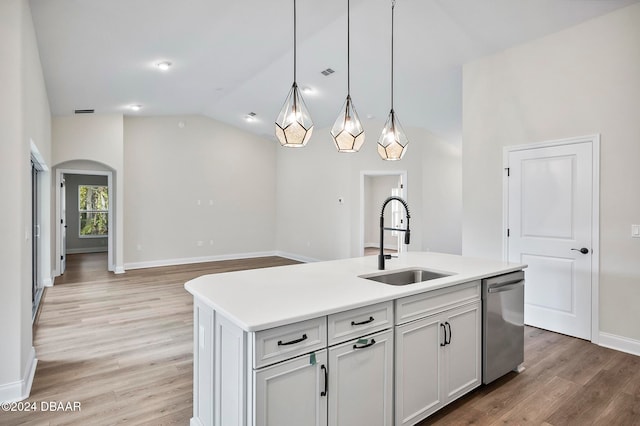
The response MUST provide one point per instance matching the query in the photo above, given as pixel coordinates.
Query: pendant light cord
(393, 5)
(294, 41)
(348, 48)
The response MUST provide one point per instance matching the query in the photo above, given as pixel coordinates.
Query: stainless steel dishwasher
(502, 325)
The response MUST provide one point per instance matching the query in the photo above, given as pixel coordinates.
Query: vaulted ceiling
(235, 57)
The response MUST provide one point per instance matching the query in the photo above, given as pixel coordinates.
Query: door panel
(555, 285)
(418, 364)
(550, 215)
(464, 369)
(362, 381)
(547, 184)
(289, 393)
(63, 227)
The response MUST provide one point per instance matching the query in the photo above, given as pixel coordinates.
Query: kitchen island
(319, 344)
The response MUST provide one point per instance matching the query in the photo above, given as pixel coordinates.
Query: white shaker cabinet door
(464, 360)
(292, 392)
(419, 358)
(361, 381)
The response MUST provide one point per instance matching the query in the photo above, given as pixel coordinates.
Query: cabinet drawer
(421, 305)
(358, 322)
(281, 343)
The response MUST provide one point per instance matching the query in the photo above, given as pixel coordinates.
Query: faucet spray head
(407, 236)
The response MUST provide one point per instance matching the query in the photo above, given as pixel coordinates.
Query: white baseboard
(298, 257)
(20, 390)
(48, 282)
(377, 246)
(190, 260)
(87, 250)
(195, 422)
(619, 343)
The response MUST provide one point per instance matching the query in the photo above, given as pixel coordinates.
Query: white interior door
(550, 220)
(63, 227)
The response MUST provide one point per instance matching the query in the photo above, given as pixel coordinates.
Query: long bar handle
(326, 380)
(505, 287)
(292, 342)
(363, 322)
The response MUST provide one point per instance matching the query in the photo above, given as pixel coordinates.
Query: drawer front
(424, 304)
(358, 322)
(285, 342)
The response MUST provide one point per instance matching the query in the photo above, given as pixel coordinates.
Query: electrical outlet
(635, 231)
(199, 243)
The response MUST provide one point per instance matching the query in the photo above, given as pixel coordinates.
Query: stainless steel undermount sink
(405, 276)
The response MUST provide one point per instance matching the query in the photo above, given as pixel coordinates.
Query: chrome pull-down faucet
(407, 232)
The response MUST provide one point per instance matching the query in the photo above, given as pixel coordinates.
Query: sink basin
(405, 276)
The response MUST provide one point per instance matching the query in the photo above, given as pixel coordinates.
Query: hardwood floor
(566, 381)
(121, 345)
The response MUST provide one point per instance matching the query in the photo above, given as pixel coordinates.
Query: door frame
(594, 140)
(363, 175)
(59, 173)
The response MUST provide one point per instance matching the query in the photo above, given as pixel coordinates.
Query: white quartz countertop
(264, 298)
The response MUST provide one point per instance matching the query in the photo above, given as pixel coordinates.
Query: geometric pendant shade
(392, 144)
(393, 141)
(294, 126)
(347, 131)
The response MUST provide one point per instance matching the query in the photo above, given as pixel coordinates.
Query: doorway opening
(84, 215)
(40, 228)
(36, 276)
(375, 187)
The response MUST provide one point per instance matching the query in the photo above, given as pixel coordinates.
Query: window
(93, 211)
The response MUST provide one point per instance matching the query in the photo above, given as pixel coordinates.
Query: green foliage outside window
(94, 211)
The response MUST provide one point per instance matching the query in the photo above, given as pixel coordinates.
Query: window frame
(81, 211)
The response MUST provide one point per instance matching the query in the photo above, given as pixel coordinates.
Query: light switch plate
(635, 231)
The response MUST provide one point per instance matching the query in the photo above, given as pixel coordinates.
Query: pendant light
(347, 131)
(294, 125)
(393, 141)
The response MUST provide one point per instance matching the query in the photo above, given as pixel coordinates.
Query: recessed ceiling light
(135, 107)
(307, 90)
(250, 117)
(164, 66)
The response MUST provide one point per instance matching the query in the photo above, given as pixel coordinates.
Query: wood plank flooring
(119, 344)
(122, 346)
(566, 381)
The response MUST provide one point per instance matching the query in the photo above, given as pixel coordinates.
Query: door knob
(582, 250)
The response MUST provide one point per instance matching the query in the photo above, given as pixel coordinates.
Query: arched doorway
(86, 175)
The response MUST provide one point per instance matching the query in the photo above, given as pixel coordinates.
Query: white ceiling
(235, 57)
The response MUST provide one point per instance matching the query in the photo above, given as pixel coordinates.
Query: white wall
(312, 224)
(98, 138)
(170, 169)
(580, 81)
(24, 117)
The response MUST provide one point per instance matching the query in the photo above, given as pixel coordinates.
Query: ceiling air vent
(84, 111)
(326, 72)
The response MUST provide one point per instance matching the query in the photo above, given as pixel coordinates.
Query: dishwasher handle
(506, 287)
